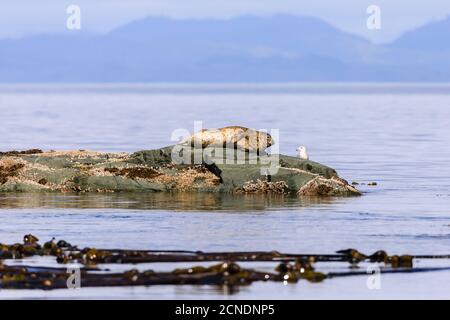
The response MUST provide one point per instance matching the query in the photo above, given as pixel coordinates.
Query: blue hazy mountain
(247, 48)
(432, 37)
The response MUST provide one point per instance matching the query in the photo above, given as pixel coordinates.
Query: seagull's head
(302, 153)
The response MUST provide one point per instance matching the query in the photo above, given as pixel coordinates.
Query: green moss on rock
(154, 171)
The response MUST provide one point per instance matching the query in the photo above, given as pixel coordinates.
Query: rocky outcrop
(155, 171)
(320, 186)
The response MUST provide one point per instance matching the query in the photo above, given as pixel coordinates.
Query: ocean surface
(395, 135)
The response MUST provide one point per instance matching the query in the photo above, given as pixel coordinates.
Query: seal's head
(270, 141)
(259, 140)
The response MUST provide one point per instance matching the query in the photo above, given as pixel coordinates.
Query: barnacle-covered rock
(321, 186)
(222, 171)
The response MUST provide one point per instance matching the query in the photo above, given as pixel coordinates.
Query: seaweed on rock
(154, 170)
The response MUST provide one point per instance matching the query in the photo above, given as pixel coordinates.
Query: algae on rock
(154, 171)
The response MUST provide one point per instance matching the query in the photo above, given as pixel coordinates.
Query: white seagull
(302, 153)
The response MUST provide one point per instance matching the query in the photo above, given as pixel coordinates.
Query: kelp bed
(288, 268)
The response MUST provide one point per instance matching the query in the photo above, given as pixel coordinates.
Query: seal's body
(231, 137)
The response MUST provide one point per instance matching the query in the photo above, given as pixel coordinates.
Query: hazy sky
(24, 17)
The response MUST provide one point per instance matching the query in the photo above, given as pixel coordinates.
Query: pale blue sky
(24, 17)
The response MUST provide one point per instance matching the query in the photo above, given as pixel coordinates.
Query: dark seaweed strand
(291, 267)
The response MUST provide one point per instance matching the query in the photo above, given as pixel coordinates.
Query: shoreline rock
(154, 171)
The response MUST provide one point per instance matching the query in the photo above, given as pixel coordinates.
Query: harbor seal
(232, 137)
(302, 153)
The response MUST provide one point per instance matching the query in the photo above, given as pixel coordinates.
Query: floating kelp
(288, 268)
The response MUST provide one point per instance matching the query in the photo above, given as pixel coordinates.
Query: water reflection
(165, 201)
(217, 290)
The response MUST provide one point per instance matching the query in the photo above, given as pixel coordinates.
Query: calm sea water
(396, 135)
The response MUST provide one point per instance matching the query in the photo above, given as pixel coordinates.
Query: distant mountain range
(244, 49)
